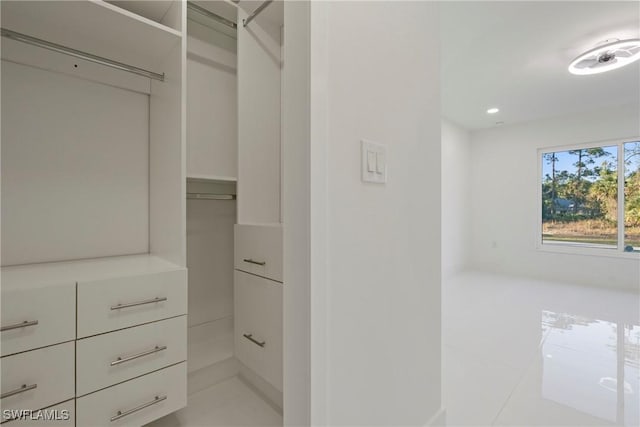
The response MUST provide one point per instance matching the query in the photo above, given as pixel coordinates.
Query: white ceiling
(514, 56)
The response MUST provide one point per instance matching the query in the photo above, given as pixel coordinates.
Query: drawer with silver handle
(112, 304)
(19, 390)
(120, 414)
(255, 341)
(35, 317)
(38, 378)
(258, 326)
(135, 402)
(19, 325)
(108, 359)
(258, 250)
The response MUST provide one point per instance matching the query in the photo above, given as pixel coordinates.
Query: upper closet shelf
(269, 12)
(211, 178)
(154, 10)
(93, 26)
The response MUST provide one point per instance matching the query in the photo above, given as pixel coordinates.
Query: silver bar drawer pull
(19, 325)
(250, 261)
(19, 390)
(137, 303)
(122, 414)
(253, 340)
(156, 349)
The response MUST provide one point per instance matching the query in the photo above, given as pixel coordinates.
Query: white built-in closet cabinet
(94, 284)
(258, 235)
(113, 183)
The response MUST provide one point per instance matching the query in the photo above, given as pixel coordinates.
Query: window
(632, 196)
(591, 197)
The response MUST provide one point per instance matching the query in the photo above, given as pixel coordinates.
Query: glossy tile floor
(228, 403)
(516, 352)
(525, 352)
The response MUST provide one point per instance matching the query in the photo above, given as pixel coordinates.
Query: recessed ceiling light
(492, 110)
(606, 57)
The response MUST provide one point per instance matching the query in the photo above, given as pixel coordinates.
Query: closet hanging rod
(256, 12)
(211, 15)
(80, 54)
(209, 196)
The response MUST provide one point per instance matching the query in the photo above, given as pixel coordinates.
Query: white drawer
(108, 305)
(52, 307)
(61, 415)
(258, 250)
(50, 369)
(258, 316)
(141, 350)
(136, 402)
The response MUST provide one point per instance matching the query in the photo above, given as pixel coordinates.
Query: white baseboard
(268, 392)
(206, 377)
(439, 419)
(210, 343)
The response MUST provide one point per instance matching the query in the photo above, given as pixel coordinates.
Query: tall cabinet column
(258, 235)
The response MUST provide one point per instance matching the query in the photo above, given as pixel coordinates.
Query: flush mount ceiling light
(492, 110)
(609, 55)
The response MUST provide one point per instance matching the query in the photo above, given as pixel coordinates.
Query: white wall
(259, 121)
(212, 107)
(210, 259)
(456, 198)
(504, 185)
(75, 168)
(210, 264)
(367, 256)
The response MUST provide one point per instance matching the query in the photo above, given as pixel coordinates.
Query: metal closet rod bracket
(256, 12)
(211, 15)
(80, 54)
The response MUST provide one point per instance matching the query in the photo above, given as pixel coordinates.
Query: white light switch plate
(372, 150)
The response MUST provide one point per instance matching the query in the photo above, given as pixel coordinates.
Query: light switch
(372, 164)
(381, 162)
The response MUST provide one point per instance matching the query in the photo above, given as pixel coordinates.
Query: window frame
(585, 249)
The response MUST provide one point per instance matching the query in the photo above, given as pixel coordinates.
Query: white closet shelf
(154, 10)
(212, 178)
(273, 14)
(93, 26)
(52, 273)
